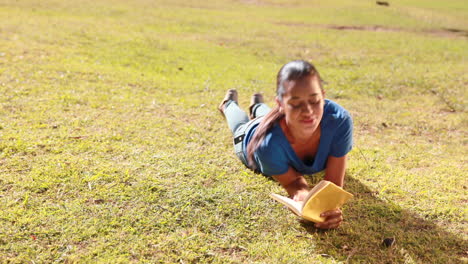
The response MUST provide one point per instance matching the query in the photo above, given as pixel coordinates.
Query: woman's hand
(333, 219)
(294, 183)
(300, 195)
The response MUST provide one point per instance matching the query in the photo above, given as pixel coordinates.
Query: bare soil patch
(266, 3)
(442, 32)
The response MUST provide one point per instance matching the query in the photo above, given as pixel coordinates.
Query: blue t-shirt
(275, 154)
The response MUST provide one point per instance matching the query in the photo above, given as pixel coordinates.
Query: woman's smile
(308, 121)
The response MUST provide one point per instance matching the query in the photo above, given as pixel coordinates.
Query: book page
(328, 198)
(319, 186)
(296, 207)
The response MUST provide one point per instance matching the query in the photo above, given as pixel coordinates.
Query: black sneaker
(231, 95)
(255, 99)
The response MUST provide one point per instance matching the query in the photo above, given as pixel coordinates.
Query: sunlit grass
(112, 150)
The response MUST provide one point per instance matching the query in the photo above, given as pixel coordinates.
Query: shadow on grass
(369, 220)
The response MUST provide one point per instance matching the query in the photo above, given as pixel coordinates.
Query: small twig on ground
(351, 254)
(382, 3)
(165, 209)
(78, 137)
(365, 159)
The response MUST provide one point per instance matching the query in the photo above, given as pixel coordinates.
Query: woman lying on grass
(304, 134)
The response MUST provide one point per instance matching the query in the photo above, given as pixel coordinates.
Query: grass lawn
(112, 150)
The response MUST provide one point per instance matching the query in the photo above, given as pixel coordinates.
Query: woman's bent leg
(235, 116)
(260, 109)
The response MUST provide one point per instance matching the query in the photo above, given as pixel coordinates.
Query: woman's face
(303, 105)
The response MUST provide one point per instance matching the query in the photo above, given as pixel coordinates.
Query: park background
(112, 149)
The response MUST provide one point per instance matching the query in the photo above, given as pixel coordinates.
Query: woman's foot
(231, 95)
(255, 99)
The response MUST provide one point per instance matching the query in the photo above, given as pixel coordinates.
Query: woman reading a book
(304, 134)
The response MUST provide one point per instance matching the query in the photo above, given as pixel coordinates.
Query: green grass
(112, 150)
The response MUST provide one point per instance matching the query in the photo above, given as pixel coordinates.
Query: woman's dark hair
(291, 71)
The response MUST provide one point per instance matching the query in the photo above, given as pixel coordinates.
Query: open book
(323, 197)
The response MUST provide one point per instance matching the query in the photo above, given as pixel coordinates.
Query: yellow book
(323, 197)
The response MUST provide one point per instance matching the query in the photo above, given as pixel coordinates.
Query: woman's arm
(294, 183)
(335, 170)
